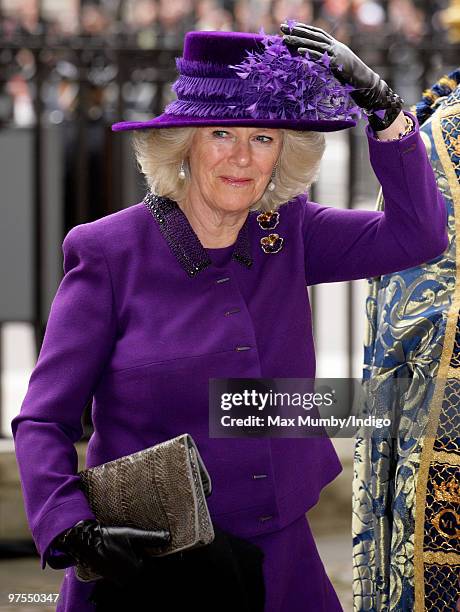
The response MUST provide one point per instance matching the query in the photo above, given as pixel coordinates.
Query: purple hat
(245, 79)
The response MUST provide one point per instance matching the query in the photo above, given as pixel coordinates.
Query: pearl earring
(182, 171)
(271, 184)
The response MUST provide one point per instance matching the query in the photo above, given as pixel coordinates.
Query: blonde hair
(159, 153)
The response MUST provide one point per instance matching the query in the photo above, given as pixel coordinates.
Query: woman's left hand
(371, 92)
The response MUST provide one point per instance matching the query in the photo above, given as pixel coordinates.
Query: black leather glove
(115, 553)
(372, 94)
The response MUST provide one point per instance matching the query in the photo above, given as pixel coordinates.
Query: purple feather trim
(203, 69)
(223, 110)
(187, 87)
(202, 109)
(285, 86)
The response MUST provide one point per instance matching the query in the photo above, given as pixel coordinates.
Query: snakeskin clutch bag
(161, 487)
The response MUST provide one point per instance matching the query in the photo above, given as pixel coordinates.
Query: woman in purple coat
(207, 278)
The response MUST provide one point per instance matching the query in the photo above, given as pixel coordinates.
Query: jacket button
(229, 312)
(262, 519)
(242, 348)
(257, 476)
(409, 149)
(223, 280)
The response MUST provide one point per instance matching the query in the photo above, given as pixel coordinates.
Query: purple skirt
(294, 575)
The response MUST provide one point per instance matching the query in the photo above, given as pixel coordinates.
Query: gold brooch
(268, 220)
(271, 243)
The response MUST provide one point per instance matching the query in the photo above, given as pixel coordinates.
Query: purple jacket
(144, 317)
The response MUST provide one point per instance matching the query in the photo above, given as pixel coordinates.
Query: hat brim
(169, 121)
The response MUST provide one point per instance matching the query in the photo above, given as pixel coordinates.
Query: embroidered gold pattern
(437, 515)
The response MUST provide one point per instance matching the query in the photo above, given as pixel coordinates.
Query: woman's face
(231, 166)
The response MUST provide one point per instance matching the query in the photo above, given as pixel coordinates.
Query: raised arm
(345, 245)
(79, 335)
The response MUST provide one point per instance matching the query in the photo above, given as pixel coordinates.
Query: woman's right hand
(115, 553)
(229, 566)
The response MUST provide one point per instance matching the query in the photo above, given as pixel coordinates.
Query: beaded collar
(183, 241)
